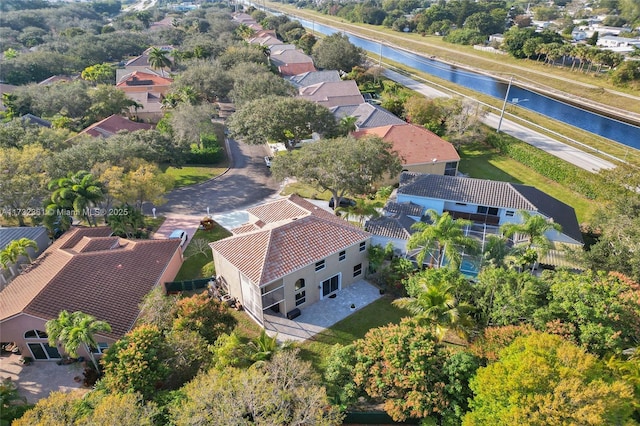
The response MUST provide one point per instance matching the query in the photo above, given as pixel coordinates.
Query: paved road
(561, 150)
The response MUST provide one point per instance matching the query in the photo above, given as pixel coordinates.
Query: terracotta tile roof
(296, 68)
(112, 125)
(414, 144)
(491, 194)
(242, 229)
(267, 255)
(289, 208)
(139, 78)
(85, 270)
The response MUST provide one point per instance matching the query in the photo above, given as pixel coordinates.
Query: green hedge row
(210, 155)
(591, 185)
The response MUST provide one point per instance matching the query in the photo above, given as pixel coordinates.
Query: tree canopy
(336, 52)
(281, 120)
(543, 379)
(342, 165)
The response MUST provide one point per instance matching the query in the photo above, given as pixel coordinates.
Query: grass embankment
(481, 161)
(194, 261)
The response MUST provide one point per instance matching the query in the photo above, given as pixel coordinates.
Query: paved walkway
(554, 147)
(323, 314)
(40, 378)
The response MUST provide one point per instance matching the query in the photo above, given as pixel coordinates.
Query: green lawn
(379, 313)
(482, 161)
(193, 262)
(190, 175)
(305, 191)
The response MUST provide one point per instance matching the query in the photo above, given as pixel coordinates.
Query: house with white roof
(290, 255)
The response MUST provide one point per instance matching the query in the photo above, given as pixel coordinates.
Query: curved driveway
(247, 182)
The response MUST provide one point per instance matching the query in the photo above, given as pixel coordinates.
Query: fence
(178, 286)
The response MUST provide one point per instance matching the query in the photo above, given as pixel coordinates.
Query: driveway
(247, 182)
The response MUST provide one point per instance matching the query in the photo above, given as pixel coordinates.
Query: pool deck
(323, 314)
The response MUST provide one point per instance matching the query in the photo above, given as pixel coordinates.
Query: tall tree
(99, 74)
(158, 59)
(336, 52)
(283, 391)
(75, 330)
(444, 236)
(281, 120)
(543, 379)
(77, 193)
(531, 232)
(343, 165)
(433, 303)
(23, 180)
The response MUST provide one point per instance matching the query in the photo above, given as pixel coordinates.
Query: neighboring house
(331, 94)
(277, 48)
(243, 18)
(314, 77)
(32, 119)
(112, 125)
(38, 234)
(618, 44)
(420, 150)
(291, 255)
(394, 226)
(148, 90)
(141, 63)
(266, 40)
(292, 62)
(90, 271)
(167, 22)
(368, 116)
(489, 204)
(57, 79)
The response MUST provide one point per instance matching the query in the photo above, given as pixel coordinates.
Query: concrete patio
(40, 378)
(323, 314)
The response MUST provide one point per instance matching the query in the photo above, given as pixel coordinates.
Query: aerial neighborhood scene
(319, 213)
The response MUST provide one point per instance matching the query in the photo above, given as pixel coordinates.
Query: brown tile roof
(139, 78)
(112, 125)
(298, 68)
(88, 271)
(267, 255)
(414, 144)
(289, 208)
(243, 229)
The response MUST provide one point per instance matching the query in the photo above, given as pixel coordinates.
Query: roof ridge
(265, 254)
(513, 186)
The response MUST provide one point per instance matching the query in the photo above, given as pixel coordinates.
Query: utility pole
(504, 104)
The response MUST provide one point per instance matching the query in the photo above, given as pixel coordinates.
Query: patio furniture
(294, 313)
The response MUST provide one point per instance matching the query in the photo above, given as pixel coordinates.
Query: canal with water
(624, 133)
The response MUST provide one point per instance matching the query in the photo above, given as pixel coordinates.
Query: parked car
(344, 202)
(267, 160)
(179, 233)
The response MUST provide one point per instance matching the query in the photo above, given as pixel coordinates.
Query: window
(357, 270)
(342, 256)
(363, 246)
(509, 213)
(299, 284)
(301, 297)
(491, 211)
(451, 168)
(320, 265)
(102, 347)
(461, 204)
(35, 334)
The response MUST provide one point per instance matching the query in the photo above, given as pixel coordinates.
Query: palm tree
(77, 192)
(158, 59)
(263, 348)
(533, 229)
(444, 236)
(436, 306)
(75, 330)
(361, 210)
(9, 256)
(496, 250)
(348, 124)
(22, 245)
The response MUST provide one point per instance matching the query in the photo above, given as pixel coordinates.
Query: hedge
(591, 185)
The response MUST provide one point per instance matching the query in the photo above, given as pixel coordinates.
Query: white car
(179, 233)
(267, 160)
